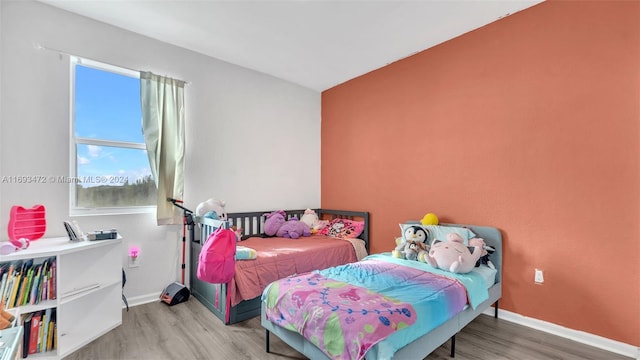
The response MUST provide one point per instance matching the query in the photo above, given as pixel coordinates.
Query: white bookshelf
(88, 289)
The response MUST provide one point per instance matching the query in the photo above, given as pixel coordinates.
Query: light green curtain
(163, 126)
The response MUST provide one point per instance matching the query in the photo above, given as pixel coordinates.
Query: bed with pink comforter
(281, 257)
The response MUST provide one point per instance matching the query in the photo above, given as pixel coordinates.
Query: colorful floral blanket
(343, 320)
(346, 310)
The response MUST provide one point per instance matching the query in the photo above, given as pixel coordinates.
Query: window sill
(113, 211)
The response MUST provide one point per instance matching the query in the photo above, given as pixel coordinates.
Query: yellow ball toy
(429, 219)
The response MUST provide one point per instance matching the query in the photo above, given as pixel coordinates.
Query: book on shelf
(53, 277)
(4, 270)
(4, 299)
(26, 336)
(14, 290)
(26, 282)
(35, 285)
(34, 332)
(43, 291)
(45, 329)
(54, 341)
(25, 286)
(51, 332)
(40, 333)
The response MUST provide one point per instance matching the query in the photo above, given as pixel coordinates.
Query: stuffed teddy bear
(486, 251)
(212, 205)
(452, 255)
(410, 250)
(6, 318)
(273, 221)
(313, 222)
(293, 228)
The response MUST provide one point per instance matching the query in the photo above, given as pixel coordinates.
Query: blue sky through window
(107, 107)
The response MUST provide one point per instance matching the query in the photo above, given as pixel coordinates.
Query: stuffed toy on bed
(273, 221)
(213, 209)
(452, 255)
(311, 219)
(412, 245)
(410, 250)
(416, 233)
(293, 228)
(486, 251)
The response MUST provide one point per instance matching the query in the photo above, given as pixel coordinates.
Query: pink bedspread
(281, 257)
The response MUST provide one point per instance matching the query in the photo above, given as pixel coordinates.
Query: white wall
(1, 71)
(252, 140)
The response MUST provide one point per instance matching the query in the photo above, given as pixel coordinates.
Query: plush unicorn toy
(274, 221)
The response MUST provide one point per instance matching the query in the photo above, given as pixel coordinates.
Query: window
(109, 169)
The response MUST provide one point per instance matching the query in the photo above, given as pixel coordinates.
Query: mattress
(487, 273)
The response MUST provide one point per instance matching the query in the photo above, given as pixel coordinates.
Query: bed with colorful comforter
(275, 258)
(379, 308)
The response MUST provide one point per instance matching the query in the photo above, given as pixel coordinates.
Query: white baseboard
(575, 335)
(144, 299)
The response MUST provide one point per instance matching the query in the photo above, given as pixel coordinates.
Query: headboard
(252, 223)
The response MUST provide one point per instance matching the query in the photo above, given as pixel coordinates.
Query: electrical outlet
(539, 277)
(134, 261)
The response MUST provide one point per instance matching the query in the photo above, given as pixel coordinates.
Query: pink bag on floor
(218, 257)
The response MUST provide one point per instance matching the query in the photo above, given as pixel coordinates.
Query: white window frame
(75, 141)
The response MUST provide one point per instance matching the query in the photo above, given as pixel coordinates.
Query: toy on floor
(452, 255)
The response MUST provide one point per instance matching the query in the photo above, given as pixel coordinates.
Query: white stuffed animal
(212, 205)
(311, 219)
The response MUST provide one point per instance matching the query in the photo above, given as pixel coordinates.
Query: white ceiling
(315, 43)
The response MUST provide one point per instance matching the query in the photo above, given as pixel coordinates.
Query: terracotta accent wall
(529, 124)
